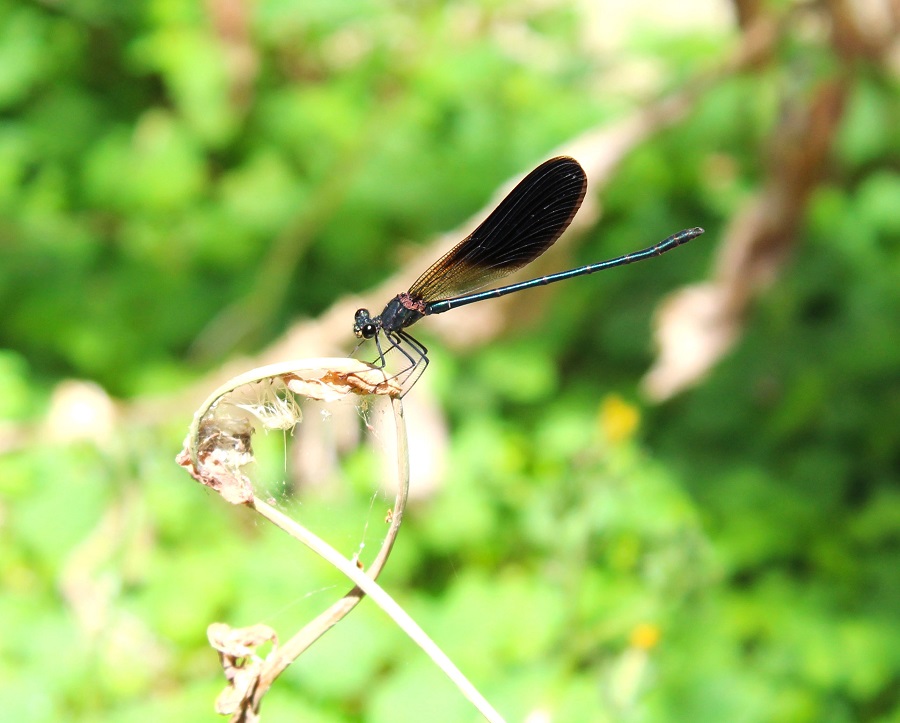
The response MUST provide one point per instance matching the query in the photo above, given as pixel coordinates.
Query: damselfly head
(363, 325)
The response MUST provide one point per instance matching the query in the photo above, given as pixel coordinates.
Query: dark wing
(521, 228)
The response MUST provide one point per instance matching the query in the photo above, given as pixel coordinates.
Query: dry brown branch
(698, 325)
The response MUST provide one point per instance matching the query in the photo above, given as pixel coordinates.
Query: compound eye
(368, 331)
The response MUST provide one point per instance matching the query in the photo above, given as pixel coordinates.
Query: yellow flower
(619, 420)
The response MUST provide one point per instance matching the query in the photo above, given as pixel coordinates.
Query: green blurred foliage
(730, 555)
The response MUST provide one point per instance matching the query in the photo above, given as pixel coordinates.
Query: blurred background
(665, 492)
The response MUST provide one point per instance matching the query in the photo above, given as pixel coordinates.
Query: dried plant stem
(243, 698)
(371, 588)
